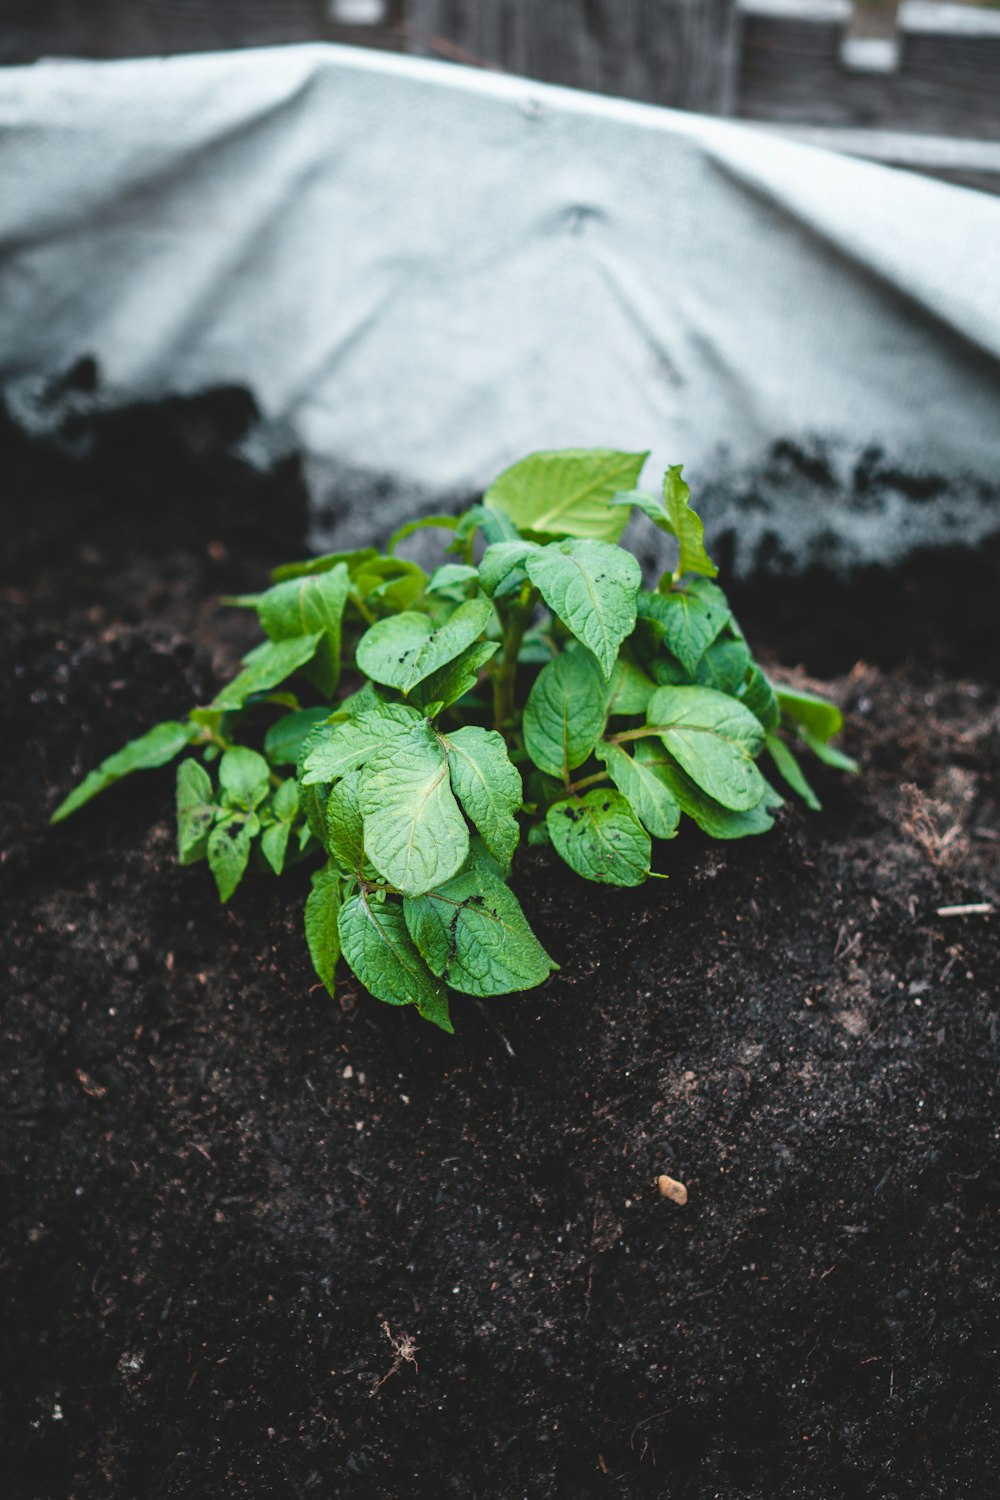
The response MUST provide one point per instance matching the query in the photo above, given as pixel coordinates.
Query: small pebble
(670, 1188)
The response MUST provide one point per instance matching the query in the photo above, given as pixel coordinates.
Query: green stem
(515, 621)
(594, 780)
(361, 607)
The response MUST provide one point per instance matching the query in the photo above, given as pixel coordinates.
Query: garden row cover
(424, 272)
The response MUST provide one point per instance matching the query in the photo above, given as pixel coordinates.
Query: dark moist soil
(261, 1243)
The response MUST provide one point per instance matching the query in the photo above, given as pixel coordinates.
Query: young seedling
(417, 726)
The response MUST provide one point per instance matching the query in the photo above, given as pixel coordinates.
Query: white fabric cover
(424, 272)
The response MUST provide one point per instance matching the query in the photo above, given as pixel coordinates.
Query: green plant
(392, 713)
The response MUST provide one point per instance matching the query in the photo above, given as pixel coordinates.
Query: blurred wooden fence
(793, 64)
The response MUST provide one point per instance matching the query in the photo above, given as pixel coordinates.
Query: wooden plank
(941, 74)
(30, 29)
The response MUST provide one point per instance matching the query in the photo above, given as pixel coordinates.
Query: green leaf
(472, 931)
(285, 802)
(790, 772)
(537, 648)
(415, 834)
(718, 822)
(244, 778)
(828, 754)
(322, 929)
(502, 570)
(450, 683)
(629, 690)
(286, 736)
(312, 566)
(600, 837)
(666, 670)
(451, 579)
(380, 951)
(687, 526)
(724, 667)
(758, 695)
(344, 823)
(228, 852)
(487, 785)
(313, 799)
(306, 606)
(154, 748)
(435, 1009)
(592, 588)
(339, 748)
(433, 523)
(494, 525)
(284, 807)
(567, 492)
(648, 791)
(687, 619)
(196, 811)
(715, 739)
(404, 649)
(822, 719)
(274, 845)
(266, 666)
(392, 581)
(564, 716)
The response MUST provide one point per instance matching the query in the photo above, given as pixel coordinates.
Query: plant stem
(594, 780)
(361, 607)
(515, 621)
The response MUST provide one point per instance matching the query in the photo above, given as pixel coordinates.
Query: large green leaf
(643, 783)
(305, 606)
(338, 748)
(415, 834)
(567, 492)
(565, 716)
(323, 905)
(472, 931)
(487, 785)
(196, 811)
(404, 649)
(380, 951)
(154, 748)
(718, 822)
(822, 718)
(244, 778)
(600, 837)
(687, 619)
(715, 739)
(592, 588)
(266, 666)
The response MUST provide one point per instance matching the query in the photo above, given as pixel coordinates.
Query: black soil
(260, 1243)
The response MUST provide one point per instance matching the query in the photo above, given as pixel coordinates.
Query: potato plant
(403, 730)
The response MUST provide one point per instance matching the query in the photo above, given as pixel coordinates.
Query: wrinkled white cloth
(424, 272)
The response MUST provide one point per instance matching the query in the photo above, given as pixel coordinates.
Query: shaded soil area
(260, 1243)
